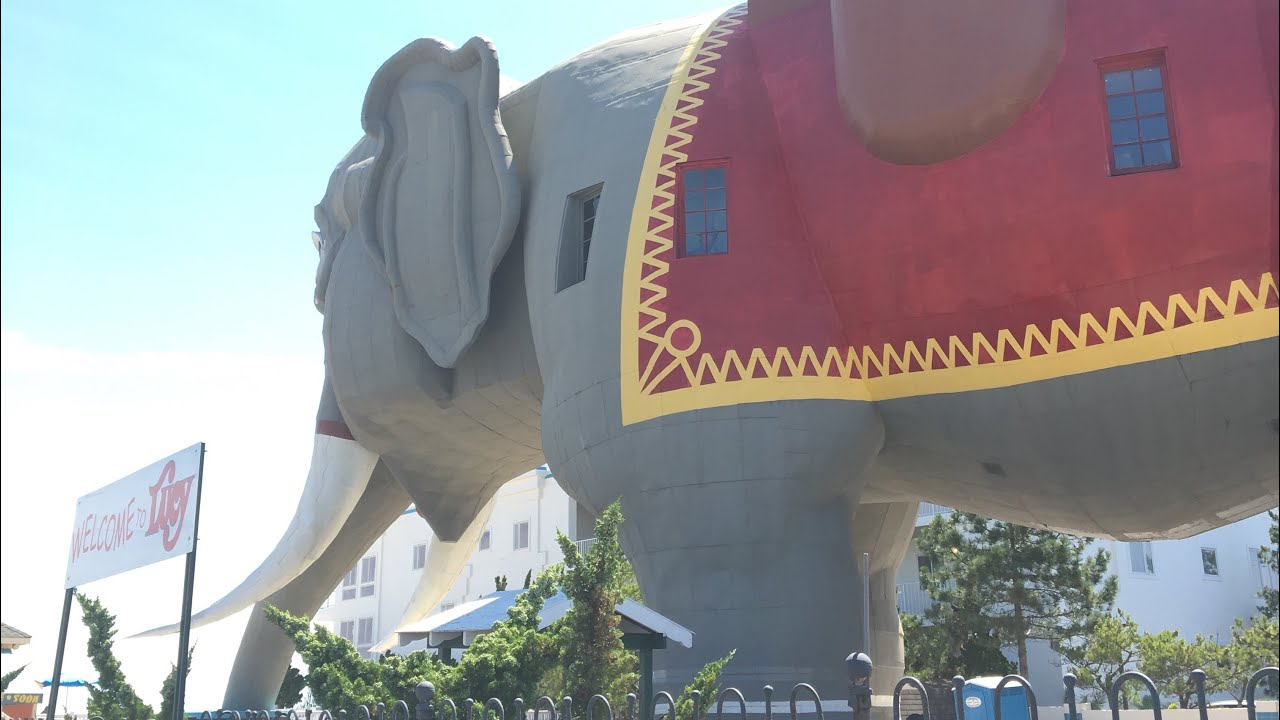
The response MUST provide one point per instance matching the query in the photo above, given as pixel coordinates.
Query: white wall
(534, 498)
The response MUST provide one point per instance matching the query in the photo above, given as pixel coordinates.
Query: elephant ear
(443, 198)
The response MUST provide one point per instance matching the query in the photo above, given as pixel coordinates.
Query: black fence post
(1068, 680)
(426, 693)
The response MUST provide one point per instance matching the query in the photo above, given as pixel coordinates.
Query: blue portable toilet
(979, 697)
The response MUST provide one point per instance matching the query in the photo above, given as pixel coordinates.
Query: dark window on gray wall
(1138, 122)
(704, 211)
(576, 235)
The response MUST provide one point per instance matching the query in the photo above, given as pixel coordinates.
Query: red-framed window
(702, 208)
(1140, 132)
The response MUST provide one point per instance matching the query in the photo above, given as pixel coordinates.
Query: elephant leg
(738, 522)
(265, 651)
(884, 530)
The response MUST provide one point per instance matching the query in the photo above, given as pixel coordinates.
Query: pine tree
(113, 698)
(1270, 557)
(1021, 583)
(1109, 650)
(291, 688)
(596, 662)
(170, 686)
(10, 677)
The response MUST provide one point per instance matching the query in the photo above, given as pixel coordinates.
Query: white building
(1197, 585)
(520, 538)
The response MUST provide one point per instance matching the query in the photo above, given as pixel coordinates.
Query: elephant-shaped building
(773, 275)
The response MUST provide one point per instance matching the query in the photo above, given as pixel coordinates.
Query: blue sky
(160, 164)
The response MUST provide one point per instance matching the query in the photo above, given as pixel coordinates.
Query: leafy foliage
(1168, 658)
(10, 677)
(938, 653)
(1270, 557)
(113, 698)
(1253, 645)
(291, 688)
(595, 661)
(338, 677)
(500, 582)
(170, 686)
(512, 659)
(1107, 652)
(1017, 583)
(706, 682)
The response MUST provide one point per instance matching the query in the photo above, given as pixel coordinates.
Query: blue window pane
(1157, 153)
(1118, 82)
(1127, 156)
(1147, 79)
(695, 201)
(693, 244)
(718, 220)
(695, 179)
(718, 242)
(1151, 103)
(589, 207)
(695, 222)
(1124, 131)
(1154, 128)
(588, 227)
(715, 199)
(715, 177)
(1120, 106)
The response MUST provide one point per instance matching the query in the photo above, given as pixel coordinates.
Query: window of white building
(1141, 560)
(368, 575)
(520, 536)
(419, 556)
(347, 630)
(364, 634)
(484, 540)
(1209, 559)
(446, 606)
(349, 585)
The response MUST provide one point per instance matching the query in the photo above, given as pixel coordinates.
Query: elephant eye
(318, 240)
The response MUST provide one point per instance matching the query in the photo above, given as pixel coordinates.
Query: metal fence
(802, 699)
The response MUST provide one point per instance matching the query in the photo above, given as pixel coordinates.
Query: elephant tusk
(340, 471)
(445, 561)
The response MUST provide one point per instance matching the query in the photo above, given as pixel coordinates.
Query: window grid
(1141, 560)
(520, 536)
(364, 637)
(368, 576)
(485, 540)
(419, 556)
(1209, 561)
(704, 210)
(349, 585)
(347, 630)
(589, 206)
(1139, 128)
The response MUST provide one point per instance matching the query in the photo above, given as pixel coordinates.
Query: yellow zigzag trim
(850, 363)
(866, 373)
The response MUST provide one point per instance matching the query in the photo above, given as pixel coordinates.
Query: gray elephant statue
(774, 275)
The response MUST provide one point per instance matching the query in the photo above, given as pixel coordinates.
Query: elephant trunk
(340, 470)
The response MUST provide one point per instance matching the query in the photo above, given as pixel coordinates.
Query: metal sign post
(188, 585)
(62, 645)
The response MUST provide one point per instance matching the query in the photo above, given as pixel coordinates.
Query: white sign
(144, 518)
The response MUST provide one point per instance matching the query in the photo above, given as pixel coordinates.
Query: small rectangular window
(347, 630)
(924, 564)
(349, 585)
(520, 536)
(576, 234)
(1139, 126)
(368, 576)
(1209, 560)
(419, 556)
(364, 634)
(484, 540)
(704, 210)
(1141, 560)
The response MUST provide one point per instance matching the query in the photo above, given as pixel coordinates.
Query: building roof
(467, 621)
(13, 637)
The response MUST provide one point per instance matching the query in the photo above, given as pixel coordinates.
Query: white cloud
(72, 421)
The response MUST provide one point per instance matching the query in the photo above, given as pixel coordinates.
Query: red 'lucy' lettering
(169, 505)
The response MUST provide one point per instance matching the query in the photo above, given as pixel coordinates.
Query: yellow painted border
(867, 373)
